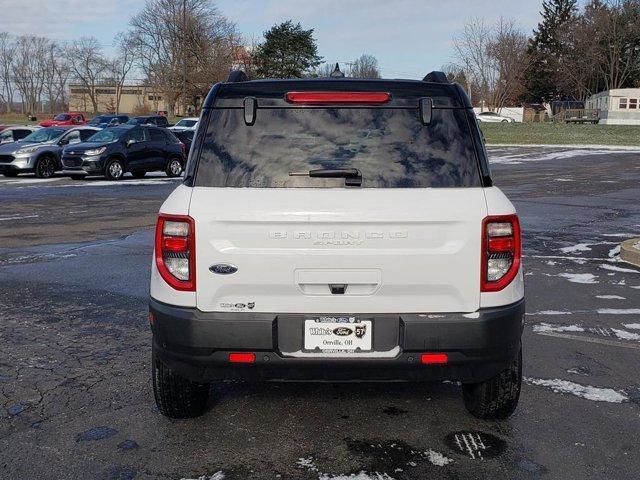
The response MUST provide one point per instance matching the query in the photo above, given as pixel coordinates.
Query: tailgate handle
(338, 289)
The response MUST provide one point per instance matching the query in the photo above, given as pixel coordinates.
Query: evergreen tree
(545, 51)
(287, 52)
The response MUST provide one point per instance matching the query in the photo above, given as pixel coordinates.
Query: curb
(630, 251)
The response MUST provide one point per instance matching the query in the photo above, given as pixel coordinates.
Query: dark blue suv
(127, 148)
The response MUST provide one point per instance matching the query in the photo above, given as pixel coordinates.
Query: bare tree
(183, 46)
(121, 66)
(28, 69)
(55, 76)
(7, 50)
(88, 66)
(472, 51)
(507, 51)
(324, 70)
(493, 59)
(365, 66)
(619, 24)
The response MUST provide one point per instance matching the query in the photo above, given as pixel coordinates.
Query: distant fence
(515, 113)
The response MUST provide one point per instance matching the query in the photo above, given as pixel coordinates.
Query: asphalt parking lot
(76, 399)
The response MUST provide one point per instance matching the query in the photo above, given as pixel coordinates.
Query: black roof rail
(436, 77)
(237, 76)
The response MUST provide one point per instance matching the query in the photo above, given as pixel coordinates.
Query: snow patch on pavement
(547, 327)
(543, 328)
(610, 297)
(624, 335)
(579, 277)
(613, 268)
(632, 326)
(587, 392)
(563, 153)
(614, 252)
(219, 475)
(619, 311)
(18, 217)
(357, 476)
(580, 247)
(551, 312)
(437, 458)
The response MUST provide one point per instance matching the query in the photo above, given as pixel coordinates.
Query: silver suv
(40, 152)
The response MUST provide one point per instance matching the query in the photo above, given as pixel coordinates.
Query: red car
(70, 118)
(2, 127)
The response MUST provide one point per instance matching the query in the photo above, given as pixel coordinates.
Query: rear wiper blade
(352, 176)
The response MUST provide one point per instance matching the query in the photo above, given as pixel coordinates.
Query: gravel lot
(75, 390)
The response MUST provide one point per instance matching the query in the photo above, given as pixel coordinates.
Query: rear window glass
(389, 146)
(157, 135)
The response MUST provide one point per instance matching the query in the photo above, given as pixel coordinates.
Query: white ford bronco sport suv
(337, 229)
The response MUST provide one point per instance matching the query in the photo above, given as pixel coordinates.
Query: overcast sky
(409, 37)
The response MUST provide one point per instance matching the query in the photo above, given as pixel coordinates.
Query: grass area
(19, 119)
(561, 134)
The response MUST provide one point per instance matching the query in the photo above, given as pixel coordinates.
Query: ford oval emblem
(223, 269)
(342, 331)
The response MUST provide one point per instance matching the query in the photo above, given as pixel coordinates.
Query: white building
(617, 107)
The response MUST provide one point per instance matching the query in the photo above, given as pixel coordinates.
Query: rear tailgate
(393, 250)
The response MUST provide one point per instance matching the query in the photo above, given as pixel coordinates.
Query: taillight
(242, 357)
(322, 98)
(176, 251)
(501, 252)
(434, 358)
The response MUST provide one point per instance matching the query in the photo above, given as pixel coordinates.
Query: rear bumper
(196, 344)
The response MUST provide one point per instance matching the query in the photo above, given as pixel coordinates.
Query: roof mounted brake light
(323, 98)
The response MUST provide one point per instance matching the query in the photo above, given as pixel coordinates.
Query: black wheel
(505, 121)
(45, 167)
(78, 177)
(10, 174)
(114, 169)
(174, 167)
(496, 398)
(138, 173)
(176, 396)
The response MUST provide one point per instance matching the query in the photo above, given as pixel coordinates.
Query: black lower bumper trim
(197, 344)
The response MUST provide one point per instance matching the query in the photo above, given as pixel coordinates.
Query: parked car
(104, 121)
(186, 124)
(71, 118)
(493, 117)
(16, 132)
(128, 148)
(2, 127)
(40, 151)
(361, 239)
(186, 137)
(157, 120)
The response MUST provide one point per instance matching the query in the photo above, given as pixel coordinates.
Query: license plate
(338, 334)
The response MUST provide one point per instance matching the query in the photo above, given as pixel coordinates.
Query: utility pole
(184, 58)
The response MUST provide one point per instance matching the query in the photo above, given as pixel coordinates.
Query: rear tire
(174, 167)
(114, 169)
(496, 398)
(176, 396)
(138, 173)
